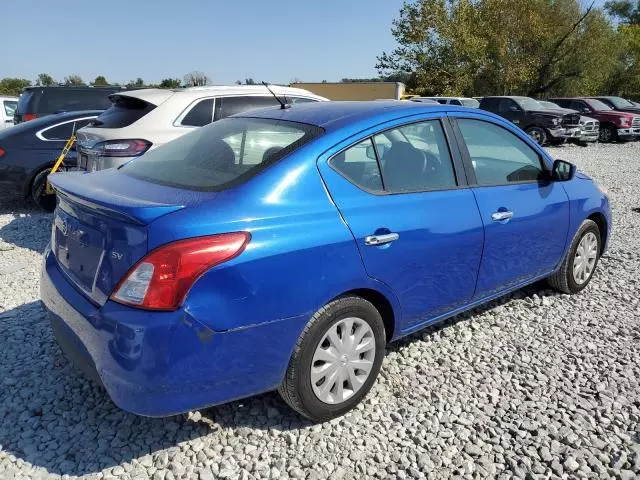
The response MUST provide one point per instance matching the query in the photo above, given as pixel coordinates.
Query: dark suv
(541, 124)
(37, 102)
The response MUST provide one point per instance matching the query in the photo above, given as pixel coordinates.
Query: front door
(416, 225)
(526, 216)
(510, 110)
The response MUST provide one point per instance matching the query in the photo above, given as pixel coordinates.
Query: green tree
(170, 83)
(100, 81)
(626, 11)
(73, 80)
(45, 80)
(13, 86)
(483, 47)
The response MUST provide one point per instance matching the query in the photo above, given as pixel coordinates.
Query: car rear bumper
(164, 363)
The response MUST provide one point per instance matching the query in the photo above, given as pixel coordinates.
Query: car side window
(498, 156)
(455, 101)
(294, 100)
(359, 165)
(579, 106)
(200, 114)
(10, 108)
(63, 131)
(226, 106)
(507, 105)
(415, 157)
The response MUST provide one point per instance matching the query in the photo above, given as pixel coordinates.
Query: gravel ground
(535, 385)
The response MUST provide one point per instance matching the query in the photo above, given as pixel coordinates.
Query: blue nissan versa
(283, 248)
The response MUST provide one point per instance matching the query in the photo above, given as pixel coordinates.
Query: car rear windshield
(61, 99)
(123, 112)
(23, 102)
(222, 154)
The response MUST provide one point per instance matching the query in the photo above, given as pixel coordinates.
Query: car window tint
(415, 157)
(67, 100)
(358, 164)
(221, 154)
(579, 106)
(498, 156)
(506, 105)
(124, 111)
(10, 107)
(200, 114)
(441, 101)
(63, 131)
(227, 106)
(455, 101)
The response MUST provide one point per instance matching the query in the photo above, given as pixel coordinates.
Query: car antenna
(283, 105)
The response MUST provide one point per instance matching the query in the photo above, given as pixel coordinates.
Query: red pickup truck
(614, 125)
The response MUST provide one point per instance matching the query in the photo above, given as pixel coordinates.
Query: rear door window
(123, 112)
(227, 106)
(358, 164)
(222, 154)
(64, 130)
(201, 114)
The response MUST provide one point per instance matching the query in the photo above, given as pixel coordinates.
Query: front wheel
(580, 263)
(336, 360)
(538, 134)
(608, 134)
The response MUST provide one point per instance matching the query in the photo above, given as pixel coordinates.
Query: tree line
(14, 86)
(516, 47)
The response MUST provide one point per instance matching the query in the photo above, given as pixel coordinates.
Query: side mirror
(562, 171)
(371, 153)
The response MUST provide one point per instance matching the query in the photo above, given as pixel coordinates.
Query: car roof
(333, 115)
(159, 95)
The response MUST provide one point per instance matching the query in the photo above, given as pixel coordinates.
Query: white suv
(7, 109)
(140, 120)
(460, 101)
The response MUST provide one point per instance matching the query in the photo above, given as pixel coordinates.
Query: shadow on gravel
(54, 418)
(30, 227)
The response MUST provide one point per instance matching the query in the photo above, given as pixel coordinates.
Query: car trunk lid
(100, 227)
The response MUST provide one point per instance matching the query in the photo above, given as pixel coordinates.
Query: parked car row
(574, 119)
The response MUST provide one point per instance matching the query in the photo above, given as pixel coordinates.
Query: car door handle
(500, 216)
(381, 239)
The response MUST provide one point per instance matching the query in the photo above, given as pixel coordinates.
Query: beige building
(355, 91)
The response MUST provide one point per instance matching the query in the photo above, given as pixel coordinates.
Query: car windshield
(470, 102)
(619, 102)
(527, 103)
(222, 154)
(597, 105)
(550, 105)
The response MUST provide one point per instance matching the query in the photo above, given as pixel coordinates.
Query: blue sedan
(284, 248)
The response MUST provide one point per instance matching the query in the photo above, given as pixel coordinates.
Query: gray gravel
(536, 385)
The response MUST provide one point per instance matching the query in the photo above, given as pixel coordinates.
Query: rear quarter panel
(301, 254)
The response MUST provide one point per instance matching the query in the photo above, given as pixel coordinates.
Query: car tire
(39, 195)
(585, 248)
(317, 363)
(538, 134)
(607, 134)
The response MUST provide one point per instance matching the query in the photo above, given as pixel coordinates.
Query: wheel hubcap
(585, 259)
(605, 135)
(535, 134)
(343, 360)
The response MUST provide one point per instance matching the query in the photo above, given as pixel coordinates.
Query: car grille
(571, 120)
(635, 122)
(591, 126)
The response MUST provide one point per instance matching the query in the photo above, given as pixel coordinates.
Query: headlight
(555, 122)
(625, 122)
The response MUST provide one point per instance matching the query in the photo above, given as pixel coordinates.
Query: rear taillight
(122, 148)
(161, 280)
(29, 116)
(2, 152)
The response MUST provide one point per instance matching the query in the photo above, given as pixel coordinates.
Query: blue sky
(228, 40)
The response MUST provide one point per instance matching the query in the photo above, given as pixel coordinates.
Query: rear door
(526, 216)
(402, 192)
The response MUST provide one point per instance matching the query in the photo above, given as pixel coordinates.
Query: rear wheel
(336, 360)
(608, 133)
(581, 261)
(46, 201)
(538, 134)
